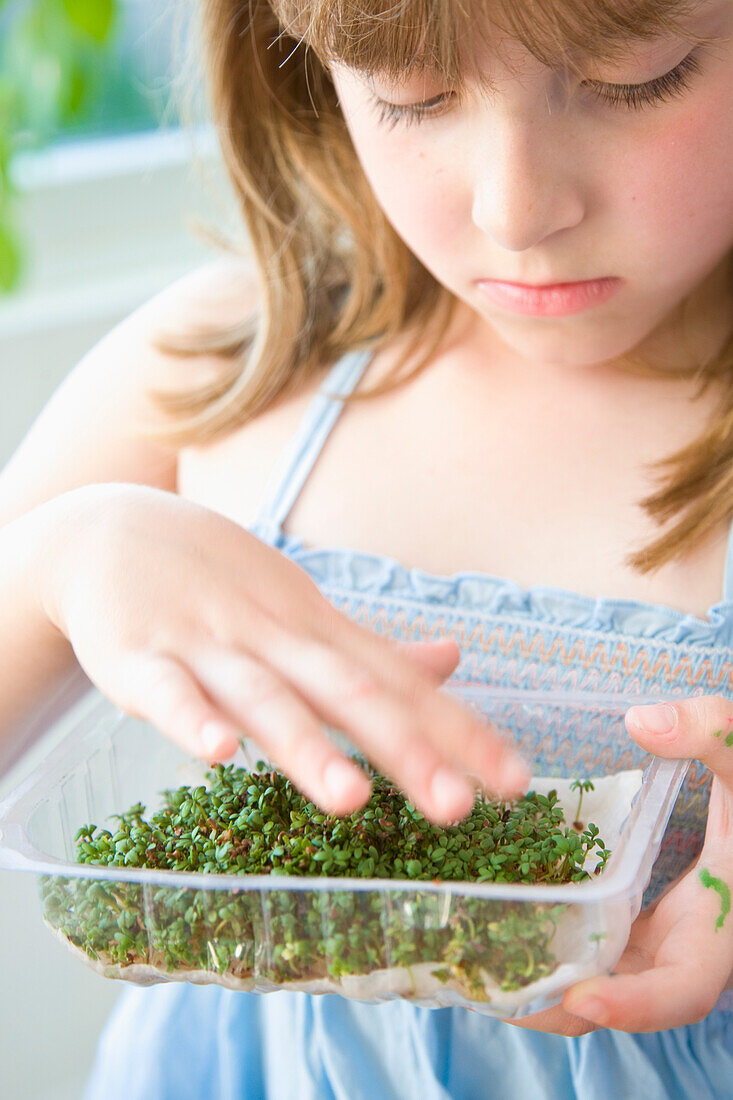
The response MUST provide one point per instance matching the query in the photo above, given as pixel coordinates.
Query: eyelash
(632, 96)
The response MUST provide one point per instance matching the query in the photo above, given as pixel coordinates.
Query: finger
(719, 826)
(471, 743)
(263, 705)
(439, 658)
(655, 1000)
(159, 689)
(700, 728)
(678, 968)
(556, 1021)
(412, 732)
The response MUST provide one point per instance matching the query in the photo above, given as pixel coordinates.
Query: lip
(551, 300)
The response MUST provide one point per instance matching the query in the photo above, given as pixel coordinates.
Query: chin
(564, 347)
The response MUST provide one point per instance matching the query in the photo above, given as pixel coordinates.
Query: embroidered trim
(494, 637)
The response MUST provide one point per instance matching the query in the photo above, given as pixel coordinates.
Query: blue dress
(176, 1040)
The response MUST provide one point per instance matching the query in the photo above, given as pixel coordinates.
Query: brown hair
(333, 274)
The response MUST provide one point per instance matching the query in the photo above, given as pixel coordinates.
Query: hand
(187, 620)
(679, 957)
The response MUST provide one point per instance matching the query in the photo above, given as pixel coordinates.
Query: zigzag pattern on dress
(681, 843)
(544, 642)
(537, 657)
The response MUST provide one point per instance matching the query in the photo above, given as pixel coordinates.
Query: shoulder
(219, 294)
(88, 430)
(227, 471)
(219, 297)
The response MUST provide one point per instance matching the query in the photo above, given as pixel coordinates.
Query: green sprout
(581, 785)
(253, 823)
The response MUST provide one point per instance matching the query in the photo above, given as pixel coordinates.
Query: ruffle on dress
(353, 572)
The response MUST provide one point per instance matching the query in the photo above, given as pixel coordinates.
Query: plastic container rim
(18, 853)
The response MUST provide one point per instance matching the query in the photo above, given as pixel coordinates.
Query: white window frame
(106, 223)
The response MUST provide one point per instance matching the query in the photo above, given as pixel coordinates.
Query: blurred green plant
(50, 54)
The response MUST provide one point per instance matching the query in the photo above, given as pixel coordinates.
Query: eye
(659, 90)
(389, 114)
(634, 96)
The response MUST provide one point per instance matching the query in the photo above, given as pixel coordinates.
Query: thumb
(700, 728)
(439, 657)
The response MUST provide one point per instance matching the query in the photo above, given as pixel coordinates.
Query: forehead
(449, 36)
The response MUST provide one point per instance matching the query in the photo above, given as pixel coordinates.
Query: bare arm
(185, 619)
(39, 674)
(85, 434)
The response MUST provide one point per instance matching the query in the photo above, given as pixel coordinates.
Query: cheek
(675, 190)
(423, 193)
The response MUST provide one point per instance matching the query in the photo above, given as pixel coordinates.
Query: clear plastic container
(434, 943)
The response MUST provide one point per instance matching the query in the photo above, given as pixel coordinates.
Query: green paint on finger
(717, 884)
(718, 733)
(729, 740)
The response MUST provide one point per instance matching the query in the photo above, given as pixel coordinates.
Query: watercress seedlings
(252, 823)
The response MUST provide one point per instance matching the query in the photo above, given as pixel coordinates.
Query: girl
(501, 233)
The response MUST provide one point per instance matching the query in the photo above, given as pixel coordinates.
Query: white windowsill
(99, 158)
(107, 222)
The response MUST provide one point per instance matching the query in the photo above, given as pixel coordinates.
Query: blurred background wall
(105, 193)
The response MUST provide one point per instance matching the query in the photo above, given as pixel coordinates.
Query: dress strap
(297, 460)
(728, 581)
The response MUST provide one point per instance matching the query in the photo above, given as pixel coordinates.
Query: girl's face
(553, 180)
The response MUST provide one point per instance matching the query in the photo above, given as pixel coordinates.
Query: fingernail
(217, 739)
(592, 1008)
(339, 776)
(450, 791)
(659, 718)
(515, 776)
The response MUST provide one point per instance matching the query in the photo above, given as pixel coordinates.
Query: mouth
(549, 299)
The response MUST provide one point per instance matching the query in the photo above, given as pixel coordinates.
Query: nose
(527, 183)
